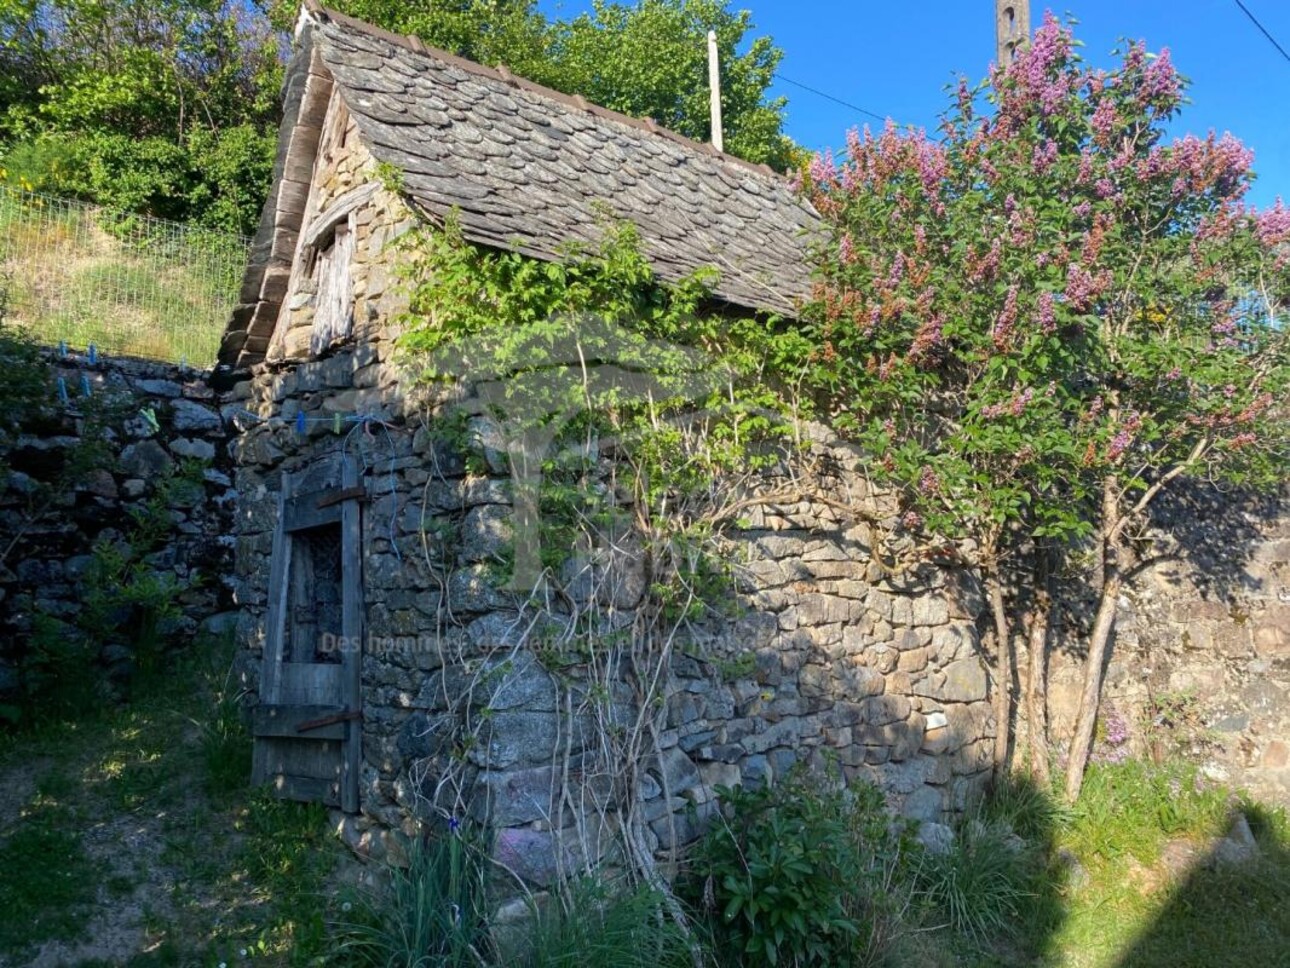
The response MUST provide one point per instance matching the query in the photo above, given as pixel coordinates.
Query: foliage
(1051, 294)
(434, 912)
(1133, 807)
(54, 904)
(1140, 907)
(163, 108)
(1017, 803)
(649, 59)
(129, 284)
(1037, 323)
(589, 922)
(129, 599)
(569, 357)
(646, 59)
(24, 374)
(226, 742)
(981, 883)
(804, 872)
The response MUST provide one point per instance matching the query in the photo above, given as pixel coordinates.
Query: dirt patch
(17, 788)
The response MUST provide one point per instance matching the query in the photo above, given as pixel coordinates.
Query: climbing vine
(633, 420)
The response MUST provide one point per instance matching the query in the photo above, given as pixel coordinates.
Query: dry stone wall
(815, 656)
(1201, 662)
(145, 420)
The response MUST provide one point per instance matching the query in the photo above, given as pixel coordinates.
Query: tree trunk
(1002, 672)
(1037, 672)
(1099, 642)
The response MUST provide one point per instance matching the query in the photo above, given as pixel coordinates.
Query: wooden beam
(338, 211)
(351, 683)
(286, 721)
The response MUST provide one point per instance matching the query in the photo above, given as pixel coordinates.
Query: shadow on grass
(1226, 912)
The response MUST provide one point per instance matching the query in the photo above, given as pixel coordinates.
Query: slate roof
(531, 169)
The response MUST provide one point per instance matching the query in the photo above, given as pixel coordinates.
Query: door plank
(351, 570)
(307, 788)
(284, 721)
(310, 684)
(271, 658)
(303, 512)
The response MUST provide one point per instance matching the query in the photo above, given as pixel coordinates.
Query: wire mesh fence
(130, 285)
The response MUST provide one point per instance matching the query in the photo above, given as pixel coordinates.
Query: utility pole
(714, 87)
(1011, 28)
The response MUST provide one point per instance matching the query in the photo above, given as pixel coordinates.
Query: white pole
(714, 88)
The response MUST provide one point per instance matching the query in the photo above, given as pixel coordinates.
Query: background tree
(647, 59)
(1039, 323)
(168, 108)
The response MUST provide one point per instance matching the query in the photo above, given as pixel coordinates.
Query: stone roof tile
(532, 169)
(694, 207)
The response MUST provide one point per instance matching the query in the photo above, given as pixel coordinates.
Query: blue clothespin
(300, 422)
(94, 354)
(183, 364)
(62, 391)
(85, 385)
(62, 349)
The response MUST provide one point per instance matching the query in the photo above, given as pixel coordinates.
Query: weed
(981, 883)
(225, 743)
(47, 883)
(803, 872)
(1134, 807)
(1028, 810)
(590, 922)
(433, 912)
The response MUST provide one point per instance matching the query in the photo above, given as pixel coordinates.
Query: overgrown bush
(803, 873)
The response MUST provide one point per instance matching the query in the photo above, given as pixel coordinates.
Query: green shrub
(58, 674)
(803, 873)
(592, 923)
(1028, 810)
(433, 913)
(981, 883)
(226, 746)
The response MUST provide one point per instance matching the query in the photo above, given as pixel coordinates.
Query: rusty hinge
(357, 492)
(322, 721)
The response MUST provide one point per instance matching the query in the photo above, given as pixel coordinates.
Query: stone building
(398, 678)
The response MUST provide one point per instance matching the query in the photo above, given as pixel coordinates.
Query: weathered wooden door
(307, 725)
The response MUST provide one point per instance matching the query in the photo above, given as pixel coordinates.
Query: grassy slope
(132, 838)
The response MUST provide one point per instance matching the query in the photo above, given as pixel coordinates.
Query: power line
(1262, 29)
(830, 97)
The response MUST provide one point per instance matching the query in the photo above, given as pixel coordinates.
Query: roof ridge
(503, 74)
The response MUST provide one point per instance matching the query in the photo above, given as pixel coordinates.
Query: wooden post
(1011, 28)
(714, 88)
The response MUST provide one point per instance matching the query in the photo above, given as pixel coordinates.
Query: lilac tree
(1039, 322)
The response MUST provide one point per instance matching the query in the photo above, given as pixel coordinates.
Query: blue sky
(895, 58)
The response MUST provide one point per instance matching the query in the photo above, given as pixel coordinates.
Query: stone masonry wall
(53, 539)
(821, 654)
(1201, 662)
